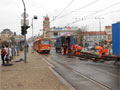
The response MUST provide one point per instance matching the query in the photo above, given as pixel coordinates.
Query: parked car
(91, 48)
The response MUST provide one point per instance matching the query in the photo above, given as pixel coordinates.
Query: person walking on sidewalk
(8, 54)
(3, 53)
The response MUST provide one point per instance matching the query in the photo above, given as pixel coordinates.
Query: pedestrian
(3, 53)
(8, 54)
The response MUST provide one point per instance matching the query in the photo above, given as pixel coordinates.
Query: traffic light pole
(32, 36)
(25, 53)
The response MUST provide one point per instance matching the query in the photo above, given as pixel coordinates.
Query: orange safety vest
(100, 49)
(66, 51)
(79, 48)
(105, 51)
(73, 47)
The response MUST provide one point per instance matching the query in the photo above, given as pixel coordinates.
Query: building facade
(108, 30)
(93, 38)
(5, 36)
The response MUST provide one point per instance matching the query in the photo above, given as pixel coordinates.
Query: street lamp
(35, 17)
(99, 18)
(25, 54)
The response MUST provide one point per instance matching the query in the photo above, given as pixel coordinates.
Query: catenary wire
(63, 10)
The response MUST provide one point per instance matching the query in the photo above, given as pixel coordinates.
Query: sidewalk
(34, 75)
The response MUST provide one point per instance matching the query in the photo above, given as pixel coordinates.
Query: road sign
(26, 15)
(26, 23)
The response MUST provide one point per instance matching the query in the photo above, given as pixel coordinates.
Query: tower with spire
(46, 25)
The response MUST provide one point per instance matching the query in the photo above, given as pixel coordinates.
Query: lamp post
(35, 17)
(99, 18)
(25, 54)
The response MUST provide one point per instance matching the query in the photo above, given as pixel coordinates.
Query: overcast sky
(67, 12)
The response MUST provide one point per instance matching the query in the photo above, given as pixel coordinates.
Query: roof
(95, 33)
(6, 31)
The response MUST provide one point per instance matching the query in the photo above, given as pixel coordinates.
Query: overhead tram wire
(79, 8)
(82, 18)
(62, 11)
(111, 12)
(96, 12)
(102, 9)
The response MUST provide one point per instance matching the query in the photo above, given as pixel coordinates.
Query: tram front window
(45, 42)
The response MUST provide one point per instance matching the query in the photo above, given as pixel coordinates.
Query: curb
(70, 87)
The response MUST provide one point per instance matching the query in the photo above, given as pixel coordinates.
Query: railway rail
(94, 57)
(96, 82)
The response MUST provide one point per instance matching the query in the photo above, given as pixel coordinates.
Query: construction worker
(110, 50)
(100, 50)
(79, 48)
(73, 48)
(66, 51)
(105, 50)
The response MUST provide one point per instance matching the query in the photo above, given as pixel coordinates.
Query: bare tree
(80, 34)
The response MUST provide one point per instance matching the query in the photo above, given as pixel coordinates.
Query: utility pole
(100, 18)
(25, 54)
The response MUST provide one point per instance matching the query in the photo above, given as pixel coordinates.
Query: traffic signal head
(27, 27)
(24, 29)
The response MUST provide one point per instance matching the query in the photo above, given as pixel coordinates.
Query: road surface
(85, 75)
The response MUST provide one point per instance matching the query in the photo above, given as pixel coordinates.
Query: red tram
(42, 45)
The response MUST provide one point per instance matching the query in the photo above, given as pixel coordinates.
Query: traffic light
(27, 27)
(24, 29)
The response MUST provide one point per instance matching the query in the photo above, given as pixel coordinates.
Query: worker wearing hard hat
(79, 48)
(73, 48)
(100, 50)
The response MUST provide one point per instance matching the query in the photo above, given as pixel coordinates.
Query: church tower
(46, 25)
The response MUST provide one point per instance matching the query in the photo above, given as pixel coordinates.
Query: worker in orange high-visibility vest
(73, 48)
(105, 50)
(100, 50)
(79, 48)
(66, 51)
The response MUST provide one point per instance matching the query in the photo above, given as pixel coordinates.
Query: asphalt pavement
(85, 75)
